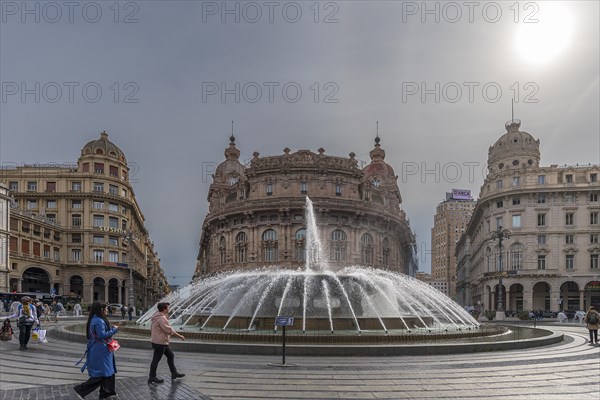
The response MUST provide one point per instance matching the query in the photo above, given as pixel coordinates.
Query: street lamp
(500, 234)
(129, 236)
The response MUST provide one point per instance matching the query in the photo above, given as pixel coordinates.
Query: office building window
(98, 205)
(32, 186)
(76, 186)
(99, 187)
(541, 198)
(113, 256)
(338, 189)
(76, 220)
(98, 256)
(75, 254)
(569, 178)
(594, 218)
(13, 186)
(516, 201)
(541, 219)
(570, 261)
(269, 189)
(114, 190)
(541, 179)
(98, 221)
(516, 181)
(98, 239)
(303, 187)
(541, 239)
(541, 262)
(516, 221)
(113, 222)
(569, 239)
(594, 261)
(51, 204)
(31, 204)
(569, 217)
(594, 238)
(76, 203)
(499, 184)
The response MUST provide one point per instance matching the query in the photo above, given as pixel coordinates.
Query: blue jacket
(100, 361)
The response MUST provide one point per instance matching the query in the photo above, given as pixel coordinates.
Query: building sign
(114, 264)
(284, 321)
(461, 194)
(593, 286)
(112, 230)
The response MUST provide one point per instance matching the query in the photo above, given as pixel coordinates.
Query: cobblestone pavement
(568, 370)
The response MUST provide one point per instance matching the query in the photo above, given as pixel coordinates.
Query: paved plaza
(569, 370)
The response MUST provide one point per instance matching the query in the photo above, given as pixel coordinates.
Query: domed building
(256, 213)
(548, 219)
(68, 231)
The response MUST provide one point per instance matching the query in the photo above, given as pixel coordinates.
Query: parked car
(116, 308)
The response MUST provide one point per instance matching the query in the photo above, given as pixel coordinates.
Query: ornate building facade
(78, 229)
(550, 259)
(256, 213)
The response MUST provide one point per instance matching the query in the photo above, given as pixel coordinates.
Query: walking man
(161, 331)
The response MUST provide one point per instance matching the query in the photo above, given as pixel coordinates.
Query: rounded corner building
(256, 213)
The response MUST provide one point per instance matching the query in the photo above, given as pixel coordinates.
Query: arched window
(386, 252)
(222, 251)
(241, 245)
(516, 256)
(366, 247)
(300, 245)
(337, 246)
(269, 245)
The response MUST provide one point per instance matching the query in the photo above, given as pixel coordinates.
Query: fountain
(354, 301)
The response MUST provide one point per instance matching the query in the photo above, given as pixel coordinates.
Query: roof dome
(104, 147)
(378, 167)
(515, 148)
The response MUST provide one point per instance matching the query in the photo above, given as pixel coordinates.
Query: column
(106, 291)
(554, 296)
(581, 299)
(90, 288)
(527, 299)
(507, 305)
(19, 285)
(119, 294)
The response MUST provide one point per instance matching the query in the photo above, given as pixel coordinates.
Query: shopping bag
(35, 337)
(42, 336)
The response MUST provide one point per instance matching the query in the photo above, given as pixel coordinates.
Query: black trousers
(106, 384)
(594, 336)
(24, 334)
(159, 350)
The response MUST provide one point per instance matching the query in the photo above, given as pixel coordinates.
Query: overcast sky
(174, 74)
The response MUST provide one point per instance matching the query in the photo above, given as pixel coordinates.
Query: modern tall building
(449, 223)
(4, 235)
(256, 213)
(78, 229)
(550, 259)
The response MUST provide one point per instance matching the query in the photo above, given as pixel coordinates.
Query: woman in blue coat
(100, 361)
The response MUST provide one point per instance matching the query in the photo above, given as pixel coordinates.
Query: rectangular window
(75, 254)
(124, 192)
(338, 189)
(32, 186)
(13, 186)
(76, 238)
(98, 187)
(31, 204)
(593, 197)
(594, 238)
(303, 188)
(124, 224)
(98, 205)
(499, 222)
(516, 181)
(113, 207)
(516, 221)
(98, 239)
(269, 189)
(76, 203)
(114, 171)
(499, 204)
(541, 198)
(569, 217)
(570, 261)
(36, 249)
(50, 186)
(594, 261)
(541, 262)
(569, 199)
(113, 240)
(541, 219)
(593, 218)
(568, 178)
(541, 239)
(113, 256)
(46, 251)
(516, 201)
(113, 222)
(569, 239)
(499, 184)
(124, 257)
(56, 254)
(51, 204)
(594, 178)
(98, 221)
(98, 256)
(541, 179)
(51, 217)
(76, 220)
(99, 168)
(76, 186)
(114, 190)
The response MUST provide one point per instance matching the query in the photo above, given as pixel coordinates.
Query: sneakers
(155, 380)
(177, 375)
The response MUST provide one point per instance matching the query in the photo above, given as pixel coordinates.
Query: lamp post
(500, 234)
(129, 236)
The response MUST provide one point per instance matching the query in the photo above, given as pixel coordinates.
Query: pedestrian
(26, 316)
(123, 312)
(592, 318)
(130, 312)
(161, 331)
(77, 309)
(100, 362)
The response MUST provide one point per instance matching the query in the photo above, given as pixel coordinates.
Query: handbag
(112, 346)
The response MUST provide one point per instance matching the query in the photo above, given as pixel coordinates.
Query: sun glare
(542, 41)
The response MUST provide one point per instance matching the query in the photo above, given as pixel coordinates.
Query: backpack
(7, 332)
(593, 319)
